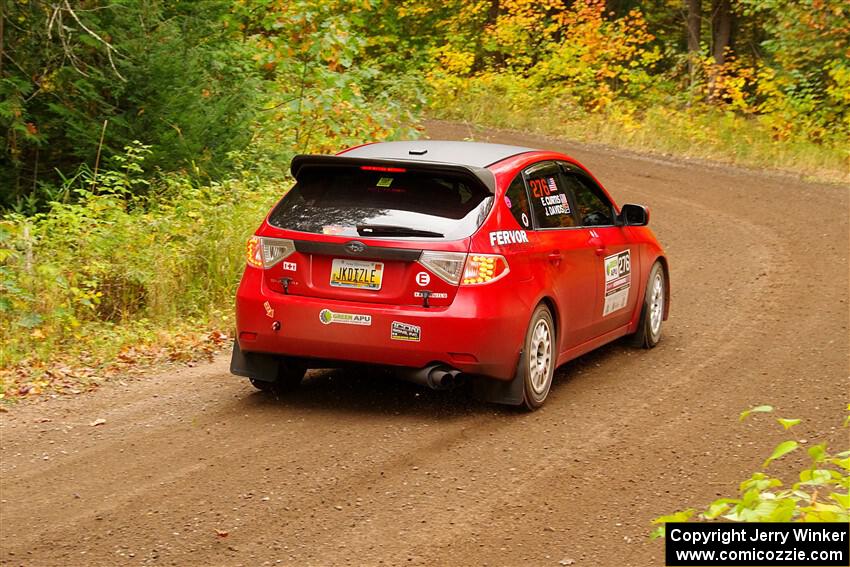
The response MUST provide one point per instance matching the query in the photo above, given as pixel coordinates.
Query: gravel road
(193, 467)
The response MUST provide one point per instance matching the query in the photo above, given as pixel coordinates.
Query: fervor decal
(503, 237)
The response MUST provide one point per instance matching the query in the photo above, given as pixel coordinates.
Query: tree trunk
(492, 16)
(2, 36)
(721, 38)
(694, 11)
(721, 29)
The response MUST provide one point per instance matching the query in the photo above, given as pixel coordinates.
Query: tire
(540, 354)
(290, 373)
(652, 314)
(262, 385)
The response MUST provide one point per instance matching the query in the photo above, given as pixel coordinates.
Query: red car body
(296, 309)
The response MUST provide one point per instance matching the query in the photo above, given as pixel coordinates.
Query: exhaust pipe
(436, 377)
(442, 378)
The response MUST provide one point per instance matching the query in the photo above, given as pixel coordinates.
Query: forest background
(144, 139)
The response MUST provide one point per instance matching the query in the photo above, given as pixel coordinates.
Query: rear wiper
(391, 230)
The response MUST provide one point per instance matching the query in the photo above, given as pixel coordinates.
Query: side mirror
(634, 215)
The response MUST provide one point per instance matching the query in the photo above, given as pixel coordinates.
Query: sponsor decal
(618, 280)
(290, 266)
(525, 222)
(508, 201)
(555, 205)
(436, 295)
(503, 237)
(423, 279)
(551, 199)
(405, 332)
(269, 310)
(326, 316)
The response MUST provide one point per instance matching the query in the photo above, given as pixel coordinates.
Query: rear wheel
(290, 373)
(652, 315)
(540, 354)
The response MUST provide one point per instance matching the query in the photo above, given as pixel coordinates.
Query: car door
(562, 249)
(616, 257)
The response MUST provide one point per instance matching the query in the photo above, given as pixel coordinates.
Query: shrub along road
(193, 467)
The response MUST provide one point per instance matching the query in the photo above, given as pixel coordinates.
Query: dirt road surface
(362, 470)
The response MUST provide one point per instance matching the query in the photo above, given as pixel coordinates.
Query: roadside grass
(112, 282)
(701, 131)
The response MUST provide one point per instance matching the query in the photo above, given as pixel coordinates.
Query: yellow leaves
(454, 61)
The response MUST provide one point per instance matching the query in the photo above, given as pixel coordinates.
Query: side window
(516, 200)
(592, 206)
(549, 200)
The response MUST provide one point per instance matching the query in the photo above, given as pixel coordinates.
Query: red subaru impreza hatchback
(444, 259)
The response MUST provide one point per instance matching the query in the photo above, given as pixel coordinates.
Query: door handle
(601, 249)
(555, 256)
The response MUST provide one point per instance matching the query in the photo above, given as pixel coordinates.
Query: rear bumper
(481, 332)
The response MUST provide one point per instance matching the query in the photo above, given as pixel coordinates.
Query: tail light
(484, 268)
(468, 269)
(446, 265)
(266, 252)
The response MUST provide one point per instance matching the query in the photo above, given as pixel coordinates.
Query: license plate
(357, 274)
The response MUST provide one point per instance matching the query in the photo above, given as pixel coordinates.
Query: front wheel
(538, 366)
(652, 315)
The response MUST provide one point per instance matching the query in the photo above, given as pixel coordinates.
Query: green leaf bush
(819, 494)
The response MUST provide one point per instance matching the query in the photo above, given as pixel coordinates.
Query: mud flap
(263, 367)
(508, 392)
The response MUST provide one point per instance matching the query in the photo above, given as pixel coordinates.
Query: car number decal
(618, 280)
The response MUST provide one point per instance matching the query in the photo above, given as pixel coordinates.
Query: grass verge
(700, 132)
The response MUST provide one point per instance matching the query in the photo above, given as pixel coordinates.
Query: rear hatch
(376, 233)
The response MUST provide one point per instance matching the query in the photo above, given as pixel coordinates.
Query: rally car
(446, 260)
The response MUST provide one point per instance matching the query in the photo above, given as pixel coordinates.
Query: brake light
(266, 252)
(458, 268)
(255, 252)
(484, 268)
(382, 168)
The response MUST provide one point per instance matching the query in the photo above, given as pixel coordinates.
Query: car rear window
(355, 201)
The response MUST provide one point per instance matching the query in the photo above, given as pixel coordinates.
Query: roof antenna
(417, 152)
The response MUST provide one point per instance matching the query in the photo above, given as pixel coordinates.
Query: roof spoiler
(484, 175)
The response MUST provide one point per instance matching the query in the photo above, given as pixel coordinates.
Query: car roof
(470, 154)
